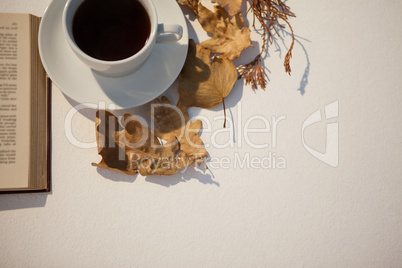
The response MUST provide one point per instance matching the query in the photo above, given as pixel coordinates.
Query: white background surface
(308, 214)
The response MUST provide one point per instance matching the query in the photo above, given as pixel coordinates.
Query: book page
(14, 100)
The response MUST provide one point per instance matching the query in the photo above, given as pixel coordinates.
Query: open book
(24, 107)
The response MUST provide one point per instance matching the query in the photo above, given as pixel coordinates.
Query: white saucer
(81, 84)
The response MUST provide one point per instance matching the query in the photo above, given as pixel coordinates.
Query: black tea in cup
(111, 30)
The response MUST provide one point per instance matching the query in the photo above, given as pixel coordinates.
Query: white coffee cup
(159, 33)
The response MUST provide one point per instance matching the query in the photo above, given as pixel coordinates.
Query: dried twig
(268, 13)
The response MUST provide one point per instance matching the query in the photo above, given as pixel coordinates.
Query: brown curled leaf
(229, 36)
(173, 125)
(136, 148)
(205, 83)
(233, 5)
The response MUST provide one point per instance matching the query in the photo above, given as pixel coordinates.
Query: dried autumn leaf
(137, 149)
(173, 125)
(229, 36)
(269, 13)
(203, 83)
(193, 4)
(107, 132)
(144, 151)
(233, 5)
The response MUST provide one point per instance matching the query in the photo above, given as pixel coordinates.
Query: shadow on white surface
(87, 112)
(22, 200)
(304, 78)
(204, 177)
(188, 174)
(115, 175)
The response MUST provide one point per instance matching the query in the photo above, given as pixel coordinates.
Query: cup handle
(169, 33)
